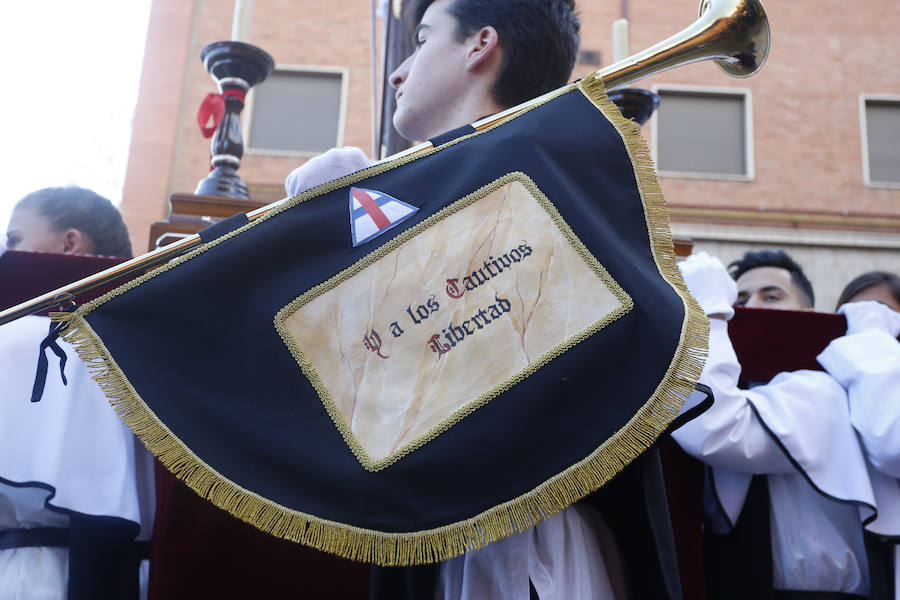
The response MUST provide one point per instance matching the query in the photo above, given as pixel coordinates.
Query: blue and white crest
(373, 212)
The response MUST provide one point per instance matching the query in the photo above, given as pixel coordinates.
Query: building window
(297, 111)
(880, 125)
(703, 133)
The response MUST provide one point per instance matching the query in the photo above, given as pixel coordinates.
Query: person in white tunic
(63, 460)
(795, 430)
(76, 487)
(866, 361)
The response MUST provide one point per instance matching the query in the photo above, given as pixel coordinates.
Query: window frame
(295, 68)
(749, 162)
(864, 138)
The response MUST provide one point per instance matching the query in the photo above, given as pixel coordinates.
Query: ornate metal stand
(236, 67)
(635, 103)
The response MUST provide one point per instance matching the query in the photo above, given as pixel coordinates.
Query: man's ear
(75, 242)
(484, 47)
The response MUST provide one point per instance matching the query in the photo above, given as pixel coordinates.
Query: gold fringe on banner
(442, 543)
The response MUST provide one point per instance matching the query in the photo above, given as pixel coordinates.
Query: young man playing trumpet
(474, 58)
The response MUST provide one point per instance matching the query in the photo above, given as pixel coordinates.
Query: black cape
(200, 360)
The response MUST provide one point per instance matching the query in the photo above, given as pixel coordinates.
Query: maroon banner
(27, 275)
(768, 342)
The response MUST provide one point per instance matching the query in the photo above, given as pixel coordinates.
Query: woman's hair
(88, 212)
(889, 281)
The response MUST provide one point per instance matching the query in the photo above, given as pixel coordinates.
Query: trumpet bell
(732, 33)
(742, 29)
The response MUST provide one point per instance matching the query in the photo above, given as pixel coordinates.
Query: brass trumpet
(732, 33)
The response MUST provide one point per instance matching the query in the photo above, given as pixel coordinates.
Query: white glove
(869, 314)
(710, 284)
(320, 169)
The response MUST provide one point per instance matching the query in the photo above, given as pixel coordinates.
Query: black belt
(808, 595)
(57, 537)
(52, 537)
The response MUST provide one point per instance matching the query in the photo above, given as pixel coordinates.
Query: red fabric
(200, 551)
(213, 106)
(369, 205)
(683, 477)
(26, 275)
(768, 342)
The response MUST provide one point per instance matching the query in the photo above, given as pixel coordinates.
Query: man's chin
(404, 131)
(409, 127)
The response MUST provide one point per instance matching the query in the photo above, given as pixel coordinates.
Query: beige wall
(830, 259)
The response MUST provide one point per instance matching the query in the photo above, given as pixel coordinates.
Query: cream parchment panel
(443, 322)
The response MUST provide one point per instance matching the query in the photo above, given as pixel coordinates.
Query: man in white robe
(795, 430)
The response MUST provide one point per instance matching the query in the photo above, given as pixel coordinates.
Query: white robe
(868, 365)
(570, 555)
(68, 452)
(797, 431)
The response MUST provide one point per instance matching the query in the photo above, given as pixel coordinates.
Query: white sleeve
(729, 434)
(868, 365)
(798, 423)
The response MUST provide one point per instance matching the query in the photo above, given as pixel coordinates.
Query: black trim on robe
(103, 555)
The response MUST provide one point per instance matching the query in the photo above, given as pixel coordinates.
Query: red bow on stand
(214, 106)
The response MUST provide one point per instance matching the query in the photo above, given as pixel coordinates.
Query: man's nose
(400, 73)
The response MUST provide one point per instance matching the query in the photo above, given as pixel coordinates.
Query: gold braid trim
(684, 371)
(442, 543)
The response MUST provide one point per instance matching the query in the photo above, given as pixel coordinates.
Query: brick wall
(805, 101)
(157, 116)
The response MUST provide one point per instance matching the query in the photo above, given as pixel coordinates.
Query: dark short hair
(754, 259)
(889, 281)
(82, 209)
(539, 40)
